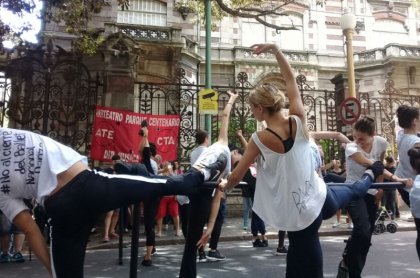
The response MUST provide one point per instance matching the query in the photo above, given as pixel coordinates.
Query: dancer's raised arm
(223, 134)
(292, 90)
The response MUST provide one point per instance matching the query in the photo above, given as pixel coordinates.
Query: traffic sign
(350, 110)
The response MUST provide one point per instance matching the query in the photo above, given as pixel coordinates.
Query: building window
(412, 75)
(252, 32)
(292, 39)
(387, 31)
(144, 12)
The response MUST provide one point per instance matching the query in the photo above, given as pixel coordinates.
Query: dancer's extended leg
(339, 196)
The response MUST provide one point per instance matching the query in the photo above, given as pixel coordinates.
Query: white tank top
(289, 194)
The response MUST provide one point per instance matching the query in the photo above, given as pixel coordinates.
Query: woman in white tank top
(289, 193)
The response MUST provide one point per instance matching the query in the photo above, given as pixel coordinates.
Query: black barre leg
(121, 232)
(135, 241)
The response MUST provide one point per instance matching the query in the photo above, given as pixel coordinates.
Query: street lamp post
(348, 23)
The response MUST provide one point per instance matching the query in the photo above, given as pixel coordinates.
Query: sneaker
(215, 256)
(217, 168)
(146, 262)
(257, 243)
(201, 257)
(17, 258)
(336, 224)
(264, 242)
(350, 225)
(4, 258)
(343, 271)
(281, 251)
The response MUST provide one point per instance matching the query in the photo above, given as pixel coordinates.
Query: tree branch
(258, 14)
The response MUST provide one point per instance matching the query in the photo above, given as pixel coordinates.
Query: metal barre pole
(213, 184)
(378, 185)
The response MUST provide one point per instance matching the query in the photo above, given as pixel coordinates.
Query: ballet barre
(377, 185)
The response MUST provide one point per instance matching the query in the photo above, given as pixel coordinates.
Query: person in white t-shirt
(360, 154)
(201, 201)
(408, 119)
(289, 193)
(414, 155)
(35, 166)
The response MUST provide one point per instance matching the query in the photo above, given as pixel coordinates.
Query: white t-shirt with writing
(355, 170)
(29, 166)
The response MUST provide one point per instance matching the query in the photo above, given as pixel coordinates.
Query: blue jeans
(305, 243)
(247, 203)
(75, 208)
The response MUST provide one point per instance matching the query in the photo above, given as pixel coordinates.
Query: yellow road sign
(208, 102)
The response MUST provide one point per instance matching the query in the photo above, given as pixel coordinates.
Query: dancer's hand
(407, 182)
(265, 47)
(204, 239)
(239, 132)
(222, 185)
(232, 95)
(378, 196)
(145, 131)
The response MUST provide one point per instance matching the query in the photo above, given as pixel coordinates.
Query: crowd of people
(283, 166)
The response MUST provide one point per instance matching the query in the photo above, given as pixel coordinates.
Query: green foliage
(76, 15)
(331, 150)
(198, 7)
(17, 7)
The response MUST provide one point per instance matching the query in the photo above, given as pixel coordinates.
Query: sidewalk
(232, 231)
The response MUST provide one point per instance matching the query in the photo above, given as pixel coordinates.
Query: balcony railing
(389, 51)
(147, 33)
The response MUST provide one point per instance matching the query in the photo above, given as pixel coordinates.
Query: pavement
(233, 231)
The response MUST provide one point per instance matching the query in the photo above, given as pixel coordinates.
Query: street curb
(247, 237)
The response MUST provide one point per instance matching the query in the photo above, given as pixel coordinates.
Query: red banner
(117, 132)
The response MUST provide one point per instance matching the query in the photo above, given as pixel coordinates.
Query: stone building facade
(153, 38)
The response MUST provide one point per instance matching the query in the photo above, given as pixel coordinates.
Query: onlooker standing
(202, 140)
(111, 217)
(11, 248)
(151, 160)
(168, 205)
(257, 224)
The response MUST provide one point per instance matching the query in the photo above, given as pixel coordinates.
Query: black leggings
(200, 203)
(149, 212)
(405, 196)
(76, 207)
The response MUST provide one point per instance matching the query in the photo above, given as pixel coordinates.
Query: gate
(181, 98)
(52, 94)
(383, 109)
(321, 112)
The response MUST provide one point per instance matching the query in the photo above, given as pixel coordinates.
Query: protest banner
(117, 132)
